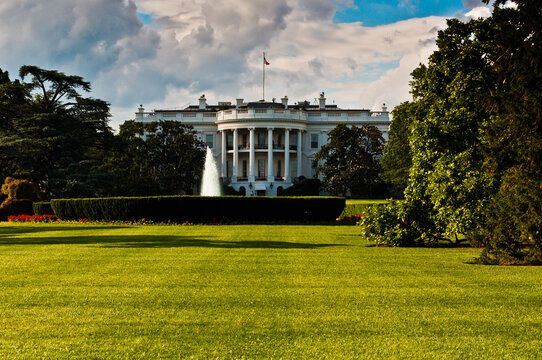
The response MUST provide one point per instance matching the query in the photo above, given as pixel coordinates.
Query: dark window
(229, 168)
(279, 168)
(279, 140)
(293, 141)
(261, 138)
(245, 168)
(314, 141)
(261, 168)
(229, 141)
(209, 140)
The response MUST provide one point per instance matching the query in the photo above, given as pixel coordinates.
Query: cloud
(215, 47)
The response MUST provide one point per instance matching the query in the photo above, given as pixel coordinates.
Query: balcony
(287, 114)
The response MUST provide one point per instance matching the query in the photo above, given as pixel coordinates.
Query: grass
(292, 292)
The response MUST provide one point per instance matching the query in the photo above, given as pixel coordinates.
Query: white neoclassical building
(263, 147)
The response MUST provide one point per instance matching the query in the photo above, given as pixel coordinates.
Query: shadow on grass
(6, 231)
(157, 241)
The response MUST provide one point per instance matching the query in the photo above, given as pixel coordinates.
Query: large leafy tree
(50, 133)
(349, 162)
(477, 152)
(448, 190)
(158, 158)
(514, 156)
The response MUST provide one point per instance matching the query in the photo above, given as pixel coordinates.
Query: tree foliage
(476, 150)
(158, 158)
(514, 156)
(349, 162)
(397, 157)
(50, 133)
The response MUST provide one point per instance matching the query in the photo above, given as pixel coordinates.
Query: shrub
(305, 187)
(42, 208)
(201, 208)
(15, 207)
(399, 223)
(21, 189)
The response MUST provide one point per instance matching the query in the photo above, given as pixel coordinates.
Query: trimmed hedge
(43, 208)
(201, 208)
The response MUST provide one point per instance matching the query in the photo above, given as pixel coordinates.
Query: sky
(166, 53)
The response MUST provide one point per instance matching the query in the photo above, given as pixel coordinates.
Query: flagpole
(263, 80)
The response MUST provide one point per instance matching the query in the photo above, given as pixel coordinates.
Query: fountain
(210, 183)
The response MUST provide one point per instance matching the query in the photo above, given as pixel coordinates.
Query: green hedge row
(201, 208)
(42, 208)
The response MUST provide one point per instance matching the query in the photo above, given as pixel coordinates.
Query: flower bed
(33, 218)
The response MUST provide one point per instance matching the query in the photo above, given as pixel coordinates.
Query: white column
(223, 155)
(251, 176)
(299, 150)
(235, 156)
(287, 155)
(270, 176)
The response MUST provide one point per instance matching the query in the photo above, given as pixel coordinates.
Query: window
(279, 139)
(261, 168)
(245, 140)
(229, 141)
(279, 168)
(314, 141)
(261, 138)
(293, 168)
(245, 168)
(229, 167)
(293, 141)
(209, 140)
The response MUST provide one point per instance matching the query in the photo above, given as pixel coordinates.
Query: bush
(21, 189)
(399, 223)
(42, 208)
(305, 187)
(15, 207)
(201, 208)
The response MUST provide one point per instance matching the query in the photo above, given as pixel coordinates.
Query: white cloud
(478, 12)
(215, 47)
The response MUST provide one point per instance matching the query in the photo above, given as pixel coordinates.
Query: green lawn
(292, 292)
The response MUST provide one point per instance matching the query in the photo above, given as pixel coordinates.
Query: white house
(262, 147)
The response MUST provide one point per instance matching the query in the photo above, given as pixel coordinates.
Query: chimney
(384, 108)
(202, 102)
(239, 102)
(285, 101)
(322, 100)
(141, 109)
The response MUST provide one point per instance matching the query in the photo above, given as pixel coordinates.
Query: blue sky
(380, 12)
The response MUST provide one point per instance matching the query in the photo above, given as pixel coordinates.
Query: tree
(514, 155)
(477, 151)
(51, 134)
(159, 158)
(448, 189)
(349, 162)
(397, 157)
